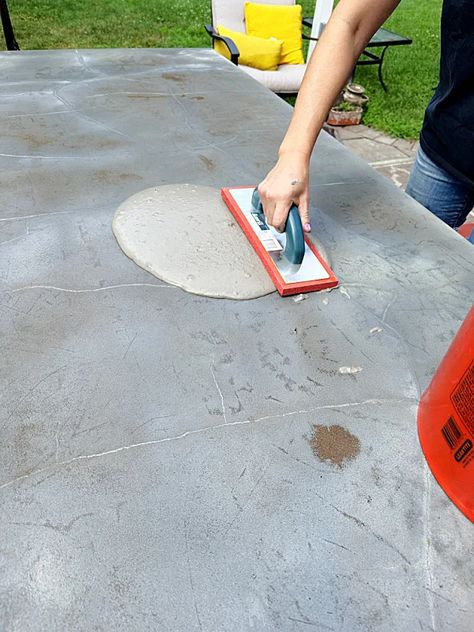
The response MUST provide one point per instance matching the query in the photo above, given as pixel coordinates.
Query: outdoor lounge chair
(230, 13)
(287, 79)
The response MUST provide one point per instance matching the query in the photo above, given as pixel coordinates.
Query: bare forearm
(351, 26)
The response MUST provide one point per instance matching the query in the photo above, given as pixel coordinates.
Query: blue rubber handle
(295, 245)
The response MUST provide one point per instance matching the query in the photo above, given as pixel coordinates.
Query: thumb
(303, 209)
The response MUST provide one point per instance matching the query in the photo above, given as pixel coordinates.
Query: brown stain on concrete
(34, 142)
(172, 77)
(107, 143)
(334, 444)
(207, 162)
(102, 175)
(60, 139)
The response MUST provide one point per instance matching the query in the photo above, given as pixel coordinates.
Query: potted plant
(349, 106)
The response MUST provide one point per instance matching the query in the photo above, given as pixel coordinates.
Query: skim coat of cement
(185, 235)
(157, 464)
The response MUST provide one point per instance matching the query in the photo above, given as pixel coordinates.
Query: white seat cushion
(286, 79)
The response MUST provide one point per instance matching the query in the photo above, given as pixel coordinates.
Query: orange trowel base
(284, 288)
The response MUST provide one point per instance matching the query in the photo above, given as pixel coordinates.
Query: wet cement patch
(185, 235)
(334, 444)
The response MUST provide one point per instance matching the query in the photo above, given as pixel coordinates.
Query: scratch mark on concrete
(84, 291)
(148, 421)
(20, 217)
(32, 156)
(428, 553)
(387, 307)
(364, 526)
(8, 241)
(56, 438)
(243, 507)
(188, 433)
(220, 393)
(129, 345)
(337, 544)
(312, 623)
(191, 575)
(60, 528)
(449, 601)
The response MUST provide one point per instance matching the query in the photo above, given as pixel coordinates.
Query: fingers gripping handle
(295, 245)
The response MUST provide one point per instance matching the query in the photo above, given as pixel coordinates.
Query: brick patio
(393, 157)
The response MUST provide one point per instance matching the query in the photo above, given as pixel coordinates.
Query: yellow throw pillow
(257, 52)
(280, 21)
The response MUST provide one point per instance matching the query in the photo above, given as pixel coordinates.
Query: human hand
(286, 184)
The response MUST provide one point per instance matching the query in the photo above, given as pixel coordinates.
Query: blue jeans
(440, 192)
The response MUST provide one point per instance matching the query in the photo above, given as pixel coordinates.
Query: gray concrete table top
(165, 459)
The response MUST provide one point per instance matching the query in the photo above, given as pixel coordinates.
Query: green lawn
(410, 71)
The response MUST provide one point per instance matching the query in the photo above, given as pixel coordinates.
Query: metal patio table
(157, 464)
(382, 38)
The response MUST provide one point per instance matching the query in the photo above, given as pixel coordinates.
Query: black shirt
(447, 136)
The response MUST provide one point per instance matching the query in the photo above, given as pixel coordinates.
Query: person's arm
(352, 24)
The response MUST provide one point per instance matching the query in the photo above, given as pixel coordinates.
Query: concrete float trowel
(290, 258)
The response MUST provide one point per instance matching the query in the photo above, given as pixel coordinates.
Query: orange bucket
(446, 420)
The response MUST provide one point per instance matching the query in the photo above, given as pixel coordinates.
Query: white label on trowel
(310, 269)
(264, 232)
